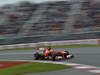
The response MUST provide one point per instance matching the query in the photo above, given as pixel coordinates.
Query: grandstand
(26, 22)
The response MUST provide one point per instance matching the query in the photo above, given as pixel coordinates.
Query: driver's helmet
(41, 49)
(37, 48)
(49, 48)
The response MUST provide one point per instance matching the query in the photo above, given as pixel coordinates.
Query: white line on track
(88, 68)
(94, 71)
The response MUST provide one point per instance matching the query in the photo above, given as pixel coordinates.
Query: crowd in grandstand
(48, 17)
(13, 17)
(90, 16)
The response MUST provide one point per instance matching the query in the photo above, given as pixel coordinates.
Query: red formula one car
(55, 55)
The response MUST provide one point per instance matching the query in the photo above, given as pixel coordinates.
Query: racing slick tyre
(66, 52)
(36, 56)
(70, 56)
(54, 57)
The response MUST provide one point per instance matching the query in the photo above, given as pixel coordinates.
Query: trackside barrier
(99, 41)
(51, 43)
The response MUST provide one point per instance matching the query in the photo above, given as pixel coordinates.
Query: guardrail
(52, 43)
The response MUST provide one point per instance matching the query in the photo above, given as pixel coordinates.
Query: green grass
(32, 68)
(63, 46)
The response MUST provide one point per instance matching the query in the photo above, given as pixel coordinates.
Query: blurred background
(43, 20)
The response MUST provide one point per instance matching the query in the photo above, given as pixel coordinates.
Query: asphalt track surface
(88, 56)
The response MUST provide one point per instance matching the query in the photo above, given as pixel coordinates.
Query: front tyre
(70, 56)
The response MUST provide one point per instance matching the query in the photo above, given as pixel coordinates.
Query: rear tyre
(54, 57)
(36, 56)
(42, 57)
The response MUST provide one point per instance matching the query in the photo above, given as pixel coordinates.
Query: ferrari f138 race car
(53, 55)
